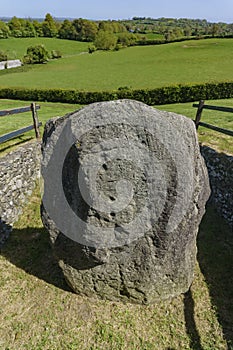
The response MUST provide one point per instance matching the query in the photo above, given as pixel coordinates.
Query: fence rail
(198, 122)
(36, 124)
(16, 133)
(5, 112)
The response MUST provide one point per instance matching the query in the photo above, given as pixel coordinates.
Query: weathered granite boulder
(125, 188)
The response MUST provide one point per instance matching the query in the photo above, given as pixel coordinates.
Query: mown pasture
(38, 311)
(49, 110)
(138, 67)
(17, 121)
(17, 47)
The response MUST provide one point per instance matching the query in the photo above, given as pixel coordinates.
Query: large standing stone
(124, 192)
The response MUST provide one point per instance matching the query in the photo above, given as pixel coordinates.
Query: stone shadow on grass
(215, 257)
(30, 250)
(190, 324)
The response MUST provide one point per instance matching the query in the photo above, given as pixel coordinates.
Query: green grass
(137, 67)
(214, 139)
(17, 47)
(17, 121)
(38, 310)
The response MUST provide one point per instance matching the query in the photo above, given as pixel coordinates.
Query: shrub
(126, 39)
(158, 96)
(105, 40)
(36, 54)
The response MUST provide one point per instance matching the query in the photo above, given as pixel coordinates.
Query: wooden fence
(36, 124)
(198, 122)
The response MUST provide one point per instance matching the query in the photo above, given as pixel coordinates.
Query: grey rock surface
(137, 241)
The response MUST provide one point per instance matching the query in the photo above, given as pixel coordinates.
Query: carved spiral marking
(119, 189)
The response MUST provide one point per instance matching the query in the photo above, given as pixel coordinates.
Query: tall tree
(187, 31)
(38, 28)
(105, 40)
(67, 31)
(28, 29)
(215, 29)
(49, 26)
(89, 30)
(15, 26)
(86, 30)
(4, 30)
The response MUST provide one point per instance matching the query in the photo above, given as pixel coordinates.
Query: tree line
(104, 34)
(112, 34)
(179, 27)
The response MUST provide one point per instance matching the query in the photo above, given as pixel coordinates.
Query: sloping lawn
(137, 67)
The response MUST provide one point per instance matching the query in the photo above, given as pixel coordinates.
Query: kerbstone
(137, 241)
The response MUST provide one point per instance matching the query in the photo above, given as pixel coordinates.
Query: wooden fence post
(199, 111)
(35, 120)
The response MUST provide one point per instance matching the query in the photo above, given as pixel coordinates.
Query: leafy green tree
(168, 35)
(112, 26)
(86, 30)
(89, 30)
(36, 54)
(177, 32)
(67, 31)
(49, 27)
(126, 39)
(187, 31)
(28, 29)
(215, 29)
(105, 40)
(4, 30)
(120, 27)
(106, 26)
(38, 28)
(15, 26)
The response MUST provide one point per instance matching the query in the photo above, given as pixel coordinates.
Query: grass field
(8, 124)
(48, 110)
(213, 139)
(39, 312)
(137, 67)
(17, 47)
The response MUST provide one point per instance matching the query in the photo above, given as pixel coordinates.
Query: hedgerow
(158, 96)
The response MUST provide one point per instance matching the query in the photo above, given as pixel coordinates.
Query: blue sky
(212, 10)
